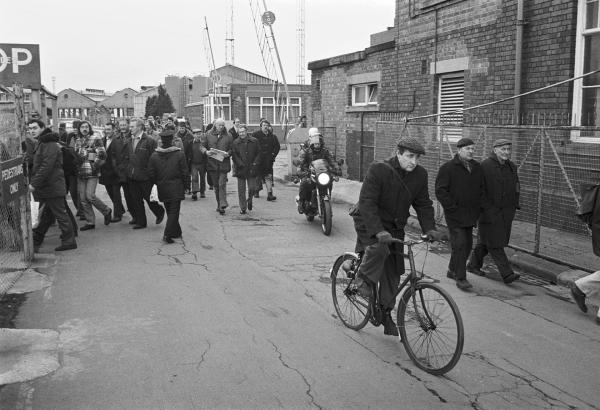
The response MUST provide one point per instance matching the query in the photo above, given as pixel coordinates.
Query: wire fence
(13, 259)
(553, 163)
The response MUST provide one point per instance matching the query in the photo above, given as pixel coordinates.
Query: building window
(364, 94)
(274, 110)
(318, 85)
(216, 106)
(586, 91)
(451, 97)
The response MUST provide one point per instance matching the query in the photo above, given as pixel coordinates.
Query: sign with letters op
(20, 63)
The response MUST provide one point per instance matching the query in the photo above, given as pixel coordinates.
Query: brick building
(121, 103)
(442, 55)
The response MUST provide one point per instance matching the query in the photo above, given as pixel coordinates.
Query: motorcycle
(320, 201)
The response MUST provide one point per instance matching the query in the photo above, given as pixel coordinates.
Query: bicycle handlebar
(410, 242)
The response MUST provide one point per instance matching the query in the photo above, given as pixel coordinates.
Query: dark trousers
(71, 183)
(198, 172)
(306, 187)
(114, 192)
(172, 227)
(241, 188)
(381, 265)
(127, 194)
(140, 192)
(497, 254)
(219, 181)
(461, 241)
(51, 209)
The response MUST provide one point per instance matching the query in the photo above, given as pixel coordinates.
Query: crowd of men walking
(135, 162)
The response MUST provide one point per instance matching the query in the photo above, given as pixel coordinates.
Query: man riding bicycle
(389, 190)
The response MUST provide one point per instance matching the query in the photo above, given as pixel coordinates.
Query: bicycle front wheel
(431, 328)
(352, 309)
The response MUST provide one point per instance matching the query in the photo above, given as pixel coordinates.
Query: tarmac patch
(30, 281)
(26, 354)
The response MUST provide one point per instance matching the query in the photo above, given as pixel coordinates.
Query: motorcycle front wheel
(326, 217)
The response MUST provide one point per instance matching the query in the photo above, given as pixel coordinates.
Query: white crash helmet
(313, 131)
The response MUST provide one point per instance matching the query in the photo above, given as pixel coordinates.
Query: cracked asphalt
(238, 314)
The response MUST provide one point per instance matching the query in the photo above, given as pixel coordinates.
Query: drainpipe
(518, 61)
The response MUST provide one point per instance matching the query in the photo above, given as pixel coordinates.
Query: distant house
(121, 103)
(139, 101)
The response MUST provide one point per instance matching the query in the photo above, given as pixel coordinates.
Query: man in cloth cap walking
(500, 203)
(389, 190)
(459, 188)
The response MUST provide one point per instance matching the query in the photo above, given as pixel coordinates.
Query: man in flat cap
(459, 188)
(389, 190)
(500, 203)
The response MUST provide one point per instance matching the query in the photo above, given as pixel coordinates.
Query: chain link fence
(553, 162)
(13, 227)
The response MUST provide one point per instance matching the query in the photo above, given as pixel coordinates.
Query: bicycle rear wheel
(352, 309)
(431, 328)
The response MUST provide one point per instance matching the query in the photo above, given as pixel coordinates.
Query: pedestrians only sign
(12, 180)
(20, 63)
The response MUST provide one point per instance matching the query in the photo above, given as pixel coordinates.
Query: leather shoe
(168, 239)
(271, 197)
(108, 217)
(116, 219)
(363, 287)
(194, 197)
(221, 211)
(511, 278)
(243, 212)
(202, 195)
(132, 222)
(451, 275)
(463, 284)
(160, 217)
(578, 297)
(475, 271)
(389, 327)
(136, 226)
(66, 247)
(87, 227)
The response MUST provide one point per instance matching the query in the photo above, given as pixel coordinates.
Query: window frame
(209, 107)
(367, 92)
(578, 87)
(274, 106)
(441, 77)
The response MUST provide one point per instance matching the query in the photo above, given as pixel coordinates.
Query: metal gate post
(538, 216)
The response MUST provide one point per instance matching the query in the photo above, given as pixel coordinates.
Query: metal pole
(287, 91)
(216, 99)
(538, 216)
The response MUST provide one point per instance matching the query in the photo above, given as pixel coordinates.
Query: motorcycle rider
(312, 152)
(389, 190)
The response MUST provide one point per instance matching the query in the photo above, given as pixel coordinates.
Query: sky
(113, 44)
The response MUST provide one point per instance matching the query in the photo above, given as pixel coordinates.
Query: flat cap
(464, 142)
(167, 134)
(197, 130)
(411, 144)
(501, 142)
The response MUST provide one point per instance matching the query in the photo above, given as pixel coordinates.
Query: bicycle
(430, 324)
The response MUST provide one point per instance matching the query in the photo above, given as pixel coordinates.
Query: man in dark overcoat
(168, 169)
(218, 138)
(121, 142)
(139, 149)
(246, 158)
(459, 188)
(500, 203)
(269, 148)
(109, 176)
(47, 183)
(389, 190)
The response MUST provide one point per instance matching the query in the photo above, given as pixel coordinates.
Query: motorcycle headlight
(324, 178)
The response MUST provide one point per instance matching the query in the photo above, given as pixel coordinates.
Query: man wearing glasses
(500, 203)
(459, 188)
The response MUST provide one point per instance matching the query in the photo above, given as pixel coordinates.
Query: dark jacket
(187, 139)
(269, 148)
(137, 164)
(197, 156)
(246, 156)
(168, 169)
(234, 133)
(121, 154)
(500, 201)
(109, 174)
(47, 176)
(308, 155)
(223, 142)
(385, 199)
(460, 192)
